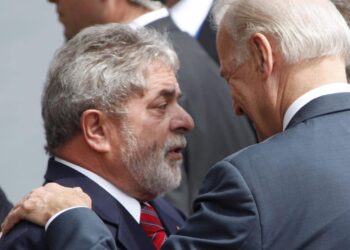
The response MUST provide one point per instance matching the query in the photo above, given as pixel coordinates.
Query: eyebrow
(168, 93)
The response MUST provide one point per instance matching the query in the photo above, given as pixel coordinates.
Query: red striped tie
(151, 224)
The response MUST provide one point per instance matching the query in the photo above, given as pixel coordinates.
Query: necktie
(152, 226)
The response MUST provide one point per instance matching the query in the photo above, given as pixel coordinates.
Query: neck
(300, 78)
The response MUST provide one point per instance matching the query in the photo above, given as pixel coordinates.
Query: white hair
(304, 29)
(100, 68)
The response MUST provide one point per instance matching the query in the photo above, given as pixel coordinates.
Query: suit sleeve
(79, 228)
(225, 214)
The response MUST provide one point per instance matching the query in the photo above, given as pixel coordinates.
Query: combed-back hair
(100, 68)
(303, 29)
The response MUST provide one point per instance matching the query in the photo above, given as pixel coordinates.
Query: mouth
(175, 154)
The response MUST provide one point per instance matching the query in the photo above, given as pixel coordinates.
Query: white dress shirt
(301, 101)
(149, 17)
(128, 202)
(189, 15)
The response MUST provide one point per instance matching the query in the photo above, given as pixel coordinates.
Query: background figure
(193, 17)
(5, 206)
(108, 90)
(204, 93)
(344, 8)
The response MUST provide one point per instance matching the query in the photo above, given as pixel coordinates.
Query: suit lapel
(125, 229)
(169, 217)
(321, 106)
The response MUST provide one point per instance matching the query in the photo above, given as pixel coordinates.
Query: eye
(163, 106)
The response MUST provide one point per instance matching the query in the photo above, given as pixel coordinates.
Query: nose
(182, 122)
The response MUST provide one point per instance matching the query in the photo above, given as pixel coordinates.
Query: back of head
(303, 29)
(100, 68)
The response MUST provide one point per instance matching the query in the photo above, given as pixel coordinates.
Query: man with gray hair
(216, 134)
(114, 128)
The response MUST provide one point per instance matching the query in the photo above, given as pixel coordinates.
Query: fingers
(42, 203)
(16, 214)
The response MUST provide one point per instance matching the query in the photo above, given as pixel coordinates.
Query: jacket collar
(321, 106)
(125, 229)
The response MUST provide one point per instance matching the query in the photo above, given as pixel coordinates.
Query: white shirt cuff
(58, 214)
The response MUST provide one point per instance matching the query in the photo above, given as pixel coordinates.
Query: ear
(262, 52)
(95, 128)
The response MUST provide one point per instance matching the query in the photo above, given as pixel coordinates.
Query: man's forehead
(163, 89)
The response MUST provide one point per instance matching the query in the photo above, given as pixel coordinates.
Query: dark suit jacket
(90, 233)
(218, 132)
(126, 231)
(207, 38)
(290, 192)
(5, 206)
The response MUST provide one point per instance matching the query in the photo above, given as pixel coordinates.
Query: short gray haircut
(304, 29)
(100, 68)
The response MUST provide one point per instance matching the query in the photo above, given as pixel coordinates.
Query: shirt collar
(149, 17)
(128, 202)
(301, 101)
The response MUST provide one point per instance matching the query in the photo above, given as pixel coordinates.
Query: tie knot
(152, 225)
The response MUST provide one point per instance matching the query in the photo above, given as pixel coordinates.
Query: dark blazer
(5, 206)
(290, 192)
(218, 131)
(126, 231)
(207, 38)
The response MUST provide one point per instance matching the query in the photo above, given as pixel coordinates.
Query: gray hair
(344, 8)
(100, 68)
(304, 29)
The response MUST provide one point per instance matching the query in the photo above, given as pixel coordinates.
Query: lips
(174, 148)
(175, 154)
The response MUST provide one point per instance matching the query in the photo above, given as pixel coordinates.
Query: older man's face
(78, 14)
(153, 133)
(248, 91)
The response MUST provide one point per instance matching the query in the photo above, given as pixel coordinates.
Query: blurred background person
(5, 206)
(193, 17)
(205, 95)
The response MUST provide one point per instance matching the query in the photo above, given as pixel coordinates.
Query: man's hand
(42, 203)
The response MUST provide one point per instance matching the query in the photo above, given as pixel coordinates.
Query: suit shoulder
(24, 235)
(271, 146)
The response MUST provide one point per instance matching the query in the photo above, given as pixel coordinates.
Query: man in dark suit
(5, 206)
(291, 191)
(205, 96)
(108, 90)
